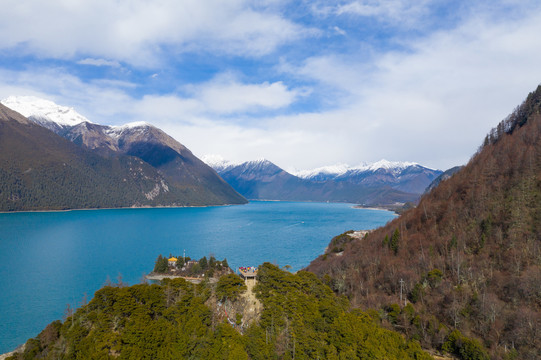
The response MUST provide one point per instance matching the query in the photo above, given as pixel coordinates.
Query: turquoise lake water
(51, 259)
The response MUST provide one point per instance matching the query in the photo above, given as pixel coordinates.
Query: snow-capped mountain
(118, 131)
(405, 176)
(217, 162)
(335, 171)
(190, 176)
(44, 112)
(323, 173)
(263, 180)
(43, 171)
(66, 122)
(381, 183)
(256, 168)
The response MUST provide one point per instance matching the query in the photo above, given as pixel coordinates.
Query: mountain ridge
(40, 170)
(340, 169)
(384, 183)
(179, 170)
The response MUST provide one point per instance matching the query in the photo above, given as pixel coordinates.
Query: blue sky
(301, 83)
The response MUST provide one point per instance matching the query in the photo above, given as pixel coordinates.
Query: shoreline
(117, 208)
(370, 208)
(193, 206)
(11, 353)
(6, 355)
(391, 208)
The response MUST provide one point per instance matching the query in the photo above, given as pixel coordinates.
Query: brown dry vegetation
(469, 254)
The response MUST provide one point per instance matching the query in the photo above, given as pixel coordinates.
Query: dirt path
(253, 306)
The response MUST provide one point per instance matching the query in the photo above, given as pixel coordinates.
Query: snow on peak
(385, 164)
(132, 125)
(213, 160)
(331, 170)
(260, 161)
(31, 106)
(217, 162)
(340, 169)
(116, 131)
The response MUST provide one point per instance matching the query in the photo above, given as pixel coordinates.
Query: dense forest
(301, 319)
(465, 264)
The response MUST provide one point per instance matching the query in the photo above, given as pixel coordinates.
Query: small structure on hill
(248, 272)
(172, 261)
(189, 264)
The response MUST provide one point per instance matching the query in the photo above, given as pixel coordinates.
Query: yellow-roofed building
(172, 261)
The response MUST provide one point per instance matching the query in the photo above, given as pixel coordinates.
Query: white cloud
(391, 9)
(431, 104)
(108, 102)
(399, 13)
(226, 95)
(343, 72)
(165, 109)
(339, 31)
(137, 32)
(98, 62)
(222, 96)
(238, 143)
(111, 83)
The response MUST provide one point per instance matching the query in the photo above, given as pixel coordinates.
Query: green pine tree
(394, 241)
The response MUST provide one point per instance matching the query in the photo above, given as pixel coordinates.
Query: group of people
(248, 268)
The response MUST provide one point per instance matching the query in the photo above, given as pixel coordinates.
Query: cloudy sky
(301, 83)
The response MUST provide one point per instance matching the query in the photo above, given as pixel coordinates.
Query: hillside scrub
(468, 257)
(301, 318)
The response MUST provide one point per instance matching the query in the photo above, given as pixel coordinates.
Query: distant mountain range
(110, 166)
(383, 183)
(408, 177)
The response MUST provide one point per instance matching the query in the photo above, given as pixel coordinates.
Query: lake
(51, 259)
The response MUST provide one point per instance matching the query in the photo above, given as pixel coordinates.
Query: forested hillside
(39, 170)
(301, 319)
(466, 262)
